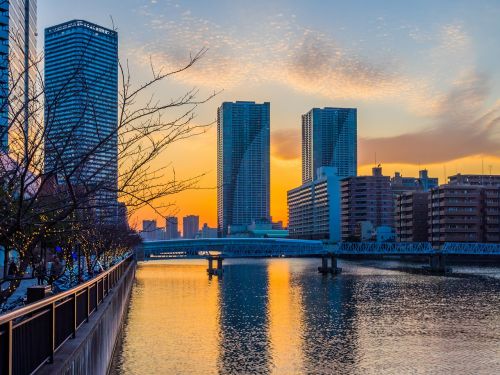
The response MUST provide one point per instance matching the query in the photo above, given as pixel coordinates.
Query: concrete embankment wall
(91, 352)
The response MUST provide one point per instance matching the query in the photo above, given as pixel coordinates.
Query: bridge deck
(268, 247)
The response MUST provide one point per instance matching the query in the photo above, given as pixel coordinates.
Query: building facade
(423, 182)
(474, 179)
(190, 226)
(411, 216)
(18, 38)
(207, 232)
(366, 199)
(329, 139)
(243, 174)
(314, 207)
(81, 105)
(171, 228)
(464, 213)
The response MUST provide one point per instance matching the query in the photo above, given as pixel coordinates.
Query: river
(280, 316)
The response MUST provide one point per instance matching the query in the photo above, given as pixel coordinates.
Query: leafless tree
(41, 206)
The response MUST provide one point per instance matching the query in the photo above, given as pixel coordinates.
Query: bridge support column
(335, 270)
(215, 271)
(437, 263)
(324, 265)
(324, 269)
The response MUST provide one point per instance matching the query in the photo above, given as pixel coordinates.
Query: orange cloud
(457, 132)
(286, 143)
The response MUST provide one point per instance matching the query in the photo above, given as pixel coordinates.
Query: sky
(424, 76)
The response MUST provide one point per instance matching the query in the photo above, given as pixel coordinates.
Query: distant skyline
(424, 78)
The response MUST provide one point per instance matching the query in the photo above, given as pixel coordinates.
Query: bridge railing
(467, 248)
(31, 335)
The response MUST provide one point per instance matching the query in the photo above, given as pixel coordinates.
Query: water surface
(279, 316)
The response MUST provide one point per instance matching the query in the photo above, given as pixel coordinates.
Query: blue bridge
(216, 249)
(269, 247)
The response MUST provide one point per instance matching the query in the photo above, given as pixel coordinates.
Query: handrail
(27, 344)
(49, 300)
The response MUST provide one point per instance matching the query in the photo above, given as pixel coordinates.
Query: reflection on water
(279, 316)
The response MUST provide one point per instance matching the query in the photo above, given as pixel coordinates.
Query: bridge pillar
(324, 265)
(324, 269)
(437, 262)
(215, 271)
(334, 270)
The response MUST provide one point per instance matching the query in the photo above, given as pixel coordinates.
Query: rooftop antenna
(444, 170)
(375, 157)
(482, 171)
(490, 167)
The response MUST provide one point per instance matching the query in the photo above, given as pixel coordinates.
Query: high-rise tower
(17, 54)
(243, 141)
(81, 80)
(329, 139)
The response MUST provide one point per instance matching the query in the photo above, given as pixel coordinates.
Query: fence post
(88, 303)
(96, 294)
(74, 315)
(52, 338)
(6, 351)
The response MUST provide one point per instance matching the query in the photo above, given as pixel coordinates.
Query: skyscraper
(243, 137)
(171, 228)
(190, 226)
(81, 80)
(329, 139)
(17, 49)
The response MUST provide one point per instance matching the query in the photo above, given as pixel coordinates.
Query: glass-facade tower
(81, 105)
(243, 175)
(17, 53)
(329, 139)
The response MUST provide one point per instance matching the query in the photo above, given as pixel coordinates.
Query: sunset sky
(424, 76)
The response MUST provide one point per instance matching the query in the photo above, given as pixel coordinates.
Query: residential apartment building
(366, 199)
(329, 139)
(171, 228)
(243, 174)
(314, 207)
(474, 179)
(18, 39)
(464, 213)
(411, 216)
(190, 226)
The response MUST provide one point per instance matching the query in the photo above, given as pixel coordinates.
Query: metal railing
(31, 335)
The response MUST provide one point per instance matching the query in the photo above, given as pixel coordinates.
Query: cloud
(461, 127)
(319, 65)
(279, 51)
(286, 144)
(454, 38)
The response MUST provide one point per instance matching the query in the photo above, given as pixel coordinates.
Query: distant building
(474, 179)
(314, 207)
(366, 198)
(329, 139)
(464, 213)
(148, 225)
(81, 108)
(190, 226)
(18, 40)
(171, 228)
(423, 182)
(259, 229)
(150, 231)
(207, 232)
(411, 216)
(122, 212)
(243, 136)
